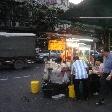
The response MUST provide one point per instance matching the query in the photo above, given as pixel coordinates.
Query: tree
(42, 18)
(29, 14)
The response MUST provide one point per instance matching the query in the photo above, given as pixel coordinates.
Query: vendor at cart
(94, 77)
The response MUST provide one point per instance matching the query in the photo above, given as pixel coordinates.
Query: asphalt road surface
(15, 95)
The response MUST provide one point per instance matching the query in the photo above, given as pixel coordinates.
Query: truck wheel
(19, 64)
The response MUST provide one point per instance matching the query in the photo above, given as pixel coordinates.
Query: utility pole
(109, 41)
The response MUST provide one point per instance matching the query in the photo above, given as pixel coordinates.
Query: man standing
(105, 79)
(79, 70)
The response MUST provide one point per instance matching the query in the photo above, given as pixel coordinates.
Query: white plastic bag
(46, 76)
(65, 78)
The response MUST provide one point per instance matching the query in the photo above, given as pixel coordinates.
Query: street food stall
(80, 47)
(57, 76)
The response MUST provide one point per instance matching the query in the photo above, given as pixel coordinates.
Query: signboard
(57, 44)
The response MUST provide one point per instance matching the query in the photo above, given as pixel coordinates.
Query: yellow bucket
(71, 91)
(35, 86)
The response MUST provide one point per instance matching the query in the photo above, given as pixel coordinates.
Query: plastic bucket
(35, 86)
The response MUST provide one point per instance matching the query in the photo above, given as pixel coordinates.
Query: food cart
(57, 75)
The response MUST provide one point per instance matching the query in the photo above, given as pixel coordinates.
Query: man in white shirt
(79, 70)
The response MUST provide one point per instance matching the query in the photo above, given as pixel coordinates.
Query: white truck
(17, 49)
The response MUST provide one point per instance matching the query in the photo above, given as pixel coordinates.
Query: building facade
(62, 4)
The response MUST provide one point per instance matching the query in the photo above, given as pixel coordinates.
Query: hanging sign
(57, 44)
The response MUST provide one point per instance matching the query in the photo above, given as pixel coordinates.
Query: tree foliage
(30, 14)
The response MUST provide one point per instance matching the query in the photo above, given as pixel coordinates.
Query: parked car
(94, 53)
(46, 55)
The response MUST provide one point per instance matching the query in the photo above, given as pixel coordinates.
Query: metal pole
(65, 49)
(94, 51)
(109, 41)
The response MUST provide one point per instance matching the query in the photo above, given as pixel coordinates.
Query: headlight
(41, 57)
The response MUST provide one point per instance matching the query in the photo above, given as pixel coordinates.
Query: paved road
(15, 95)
